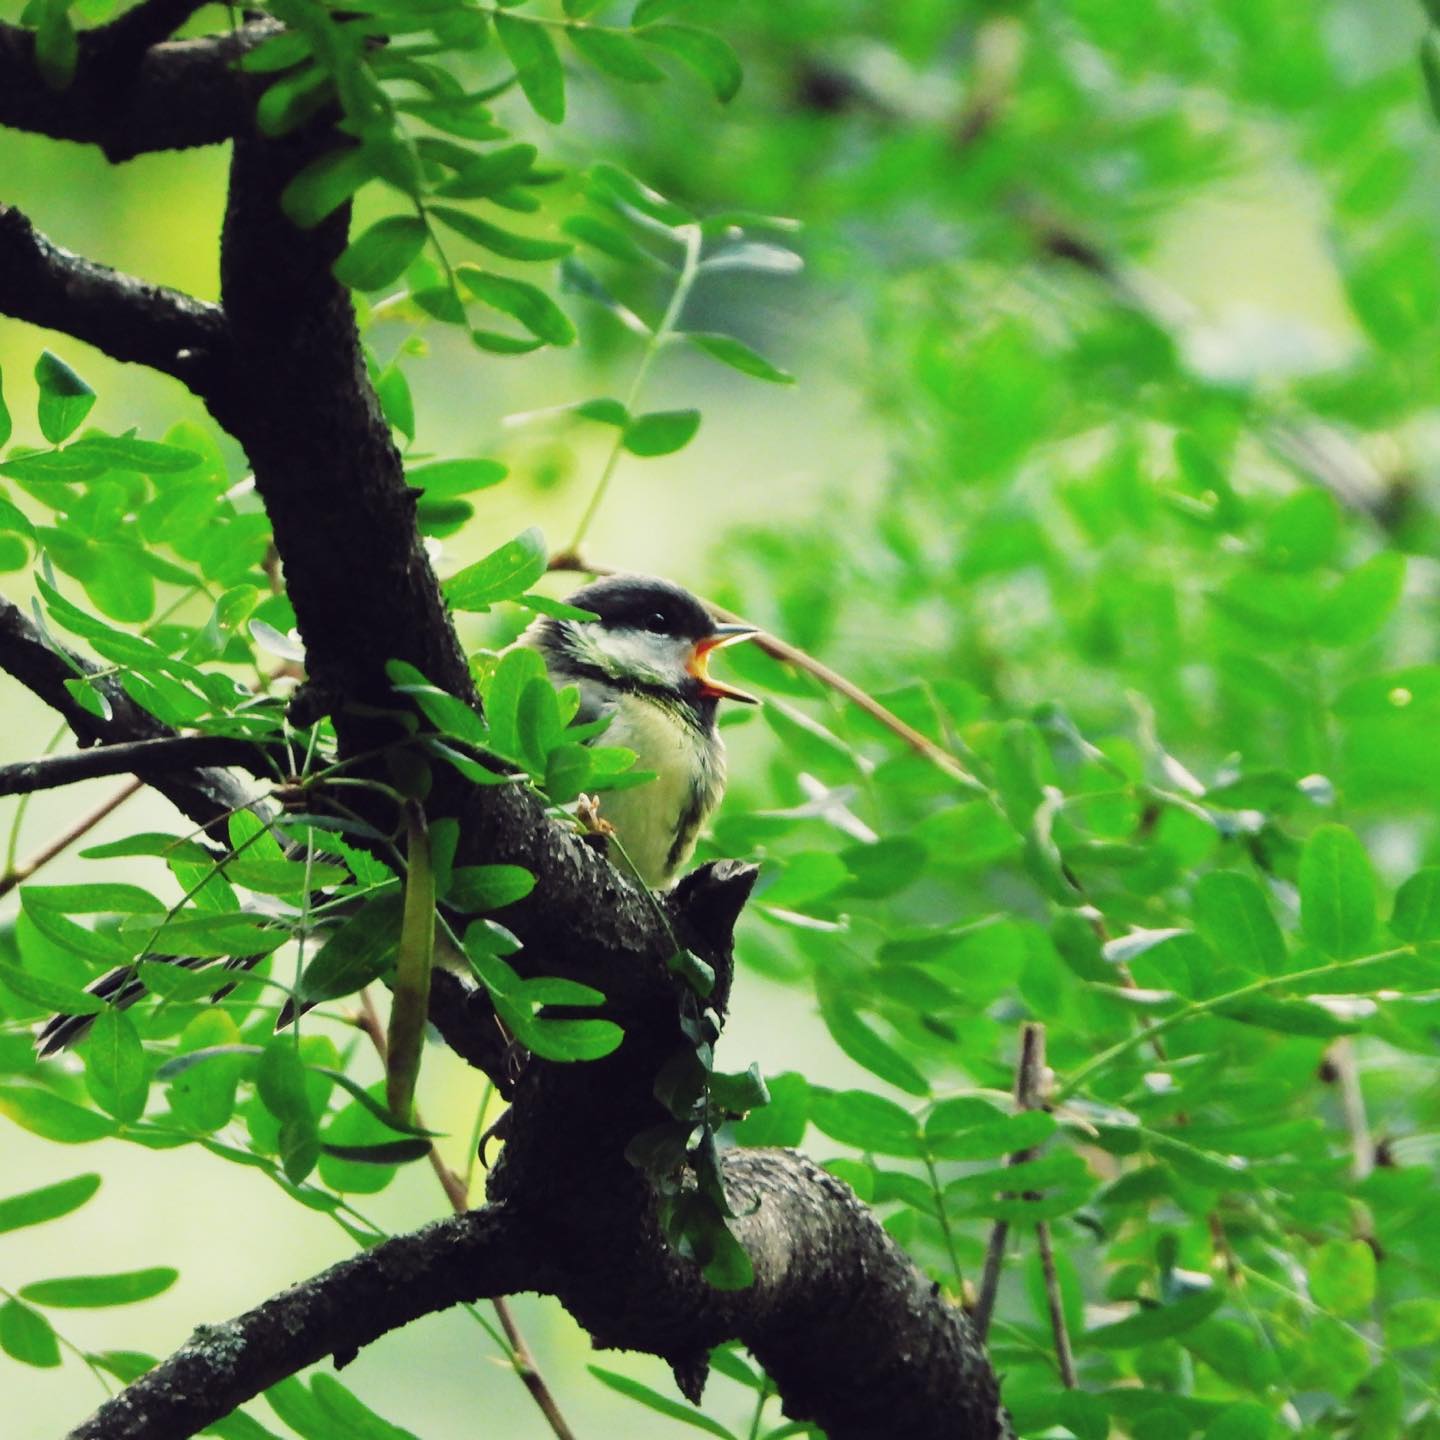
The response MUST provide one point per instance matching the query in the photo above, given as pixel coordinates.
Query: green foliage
(1156, 606)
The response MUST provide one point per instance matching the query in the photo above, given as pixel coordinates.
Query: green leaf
(138, 457)
(533, 308)
(385, 1152)
(447, 478)
(1430, 69)
(500, 241)
(486, 175)
(355, 1419)
(704, 52)
(614, 53)
(1417, 907)
(361, 950)
(1342, 1276)
(50, 1117)
(27, 1336)
(1154, 1323)
(477, 889)
(48, 994)
(57, 46)
(866, 1048)
(662, 432)
(93, 1292)
(1362, 601)
(325, 184)
(6, 426)
(868, 1122)
(993, 1138)
(115, 1070)
(517, 668)
(537, 66)
(739, 356)
(1231, 912)
(65, 399)
(661, 1404)
(1337, 893)
(501, 575)
(381, 253)
(571, 1040)
(49, 1202)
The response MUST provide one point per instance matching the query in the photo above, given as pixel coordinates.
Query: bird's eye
(657, 622)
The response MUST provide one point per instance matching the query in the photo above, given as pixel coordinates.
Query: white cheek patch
(633, 654)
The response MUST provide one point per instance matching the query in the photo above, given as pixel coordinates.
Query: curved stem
(689, 268)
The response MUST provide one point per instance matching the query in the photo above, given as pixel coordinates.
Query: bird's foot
(589, 818)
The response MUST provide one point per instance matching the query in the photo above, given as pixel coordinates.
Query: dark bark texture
(855, 1338)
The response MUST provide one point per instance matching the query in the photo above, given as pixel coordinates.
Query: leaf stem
(689, 268)
(1216, 1002)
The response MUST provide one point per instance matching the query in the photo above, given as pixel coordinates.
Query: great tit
(642, 663)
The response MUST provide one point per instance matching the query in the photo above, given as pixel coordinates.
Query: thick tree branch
(135, 757)
(470, 1257)
(166, 97)
(325, 466)
(207, 796)
(127, 318)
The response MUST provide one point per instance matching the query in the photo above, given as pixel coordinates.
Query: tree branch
(470, 1257)
(207, 796)
(134, 757)
(127, 318)
(166, 97)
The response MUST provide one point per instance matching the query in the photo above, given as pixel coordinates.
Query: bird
(642, 663)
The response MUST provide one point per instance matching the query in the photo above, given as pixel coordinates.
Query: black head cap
(645, 602)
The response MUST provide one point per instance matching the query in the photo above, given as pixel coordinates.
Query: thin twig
(165, 753)
(522, 1358)
(1352, 1102)
(790, 654)
(1053, 1300)
(62, 842)
(1029, 1089)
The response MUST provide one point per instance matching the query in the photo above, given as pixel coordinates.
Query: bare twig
(522, 1358)
(1054, 1302)
(165, 753)
(63, 841)
(790, 654)
(1029, 1093)
(1352, 1103)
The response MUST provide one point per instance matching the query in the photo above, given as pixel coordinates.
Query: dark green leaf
(381, 253)
(1232, 913)
(501, 575)
(52, 1118)
(502, 242)
(65, 399)
(614, 53)
(868, 1122)
(27, 1336)
(533, 308)
(739, 356)
(537, 66)
(47, 1203)
(1337, 893)
(361, 950)
(476, 889)
(704, 52)
(1417, 907)
(115, 1070)
(90, 1292)
(1154, 1323)
(662, 432)
(663, 1405)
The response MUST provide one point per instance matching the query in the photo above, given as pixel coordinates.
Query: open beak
(699, 662)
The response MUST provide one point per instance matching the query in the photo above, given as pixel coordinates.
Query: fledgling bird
(643, 663)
